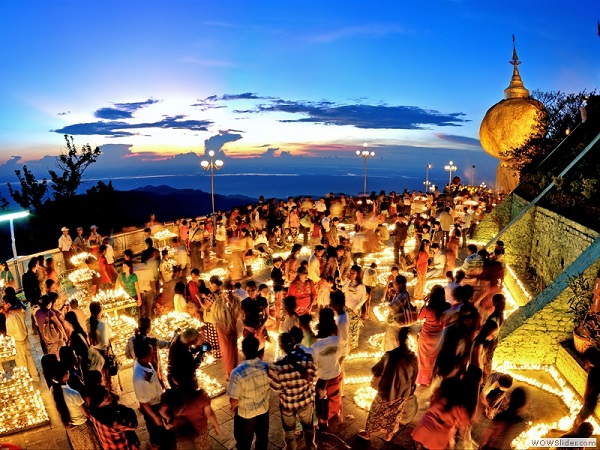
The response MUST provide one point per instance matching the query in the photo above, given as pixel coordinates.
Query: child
(290, 317)
(309, 337)
(179, 297)
(325, 289)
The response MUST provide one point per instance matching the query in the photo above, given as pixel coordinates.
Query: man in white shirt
(314, 264)
(148, 391)
(65, 244)
(15, 328)
(249, 393)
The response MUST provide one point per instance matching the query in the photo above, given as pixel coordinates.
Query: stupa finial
(515, 89)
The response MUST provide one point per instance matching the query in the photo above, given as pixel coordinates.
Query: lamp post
(450, 168)
(10, 218)
(212, 165)
(473, 177)
(427, 182)
(364, 155)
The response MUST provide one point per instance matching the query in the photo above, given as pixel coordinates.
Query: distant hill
(111, 212)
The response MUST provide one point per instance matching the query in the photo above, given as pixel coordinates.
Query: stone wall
(547, 243)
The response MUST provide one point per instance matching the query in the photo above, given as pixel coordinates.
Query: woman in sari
(394, 377)
(431, 333)
(421, 267)
(226, 309)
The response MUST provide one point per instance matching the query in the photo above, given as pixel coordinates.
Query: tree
(32, 191)
(562, 116)
(73, 164)
(3, 203)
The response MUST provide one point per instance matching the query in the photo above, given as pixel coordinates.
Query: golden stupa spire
(515, 89)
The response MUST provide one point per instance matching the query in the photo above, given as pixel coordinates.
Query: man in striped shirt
(293, 377)
(249, 394)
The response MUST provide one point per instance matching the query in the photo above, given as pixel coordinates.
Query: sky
(157, 83)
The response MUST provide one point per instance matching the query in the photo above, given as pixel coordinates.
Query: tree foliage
(32, 193)
(562, 116)
(73, 164)
(3, 203)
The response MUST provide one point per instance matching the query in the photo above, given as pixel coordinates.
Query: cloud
(122, 110)
(269, 153)
(374, 30)
(212, 102)
(119, 129)
(361, 115)
(64, 113)
(217, 142)
(463, 140)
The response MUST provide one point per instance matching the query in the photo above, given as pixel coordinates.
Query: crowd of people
(316, 307)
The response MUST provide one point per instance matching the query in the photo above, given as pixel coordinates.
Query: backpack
(49, 331)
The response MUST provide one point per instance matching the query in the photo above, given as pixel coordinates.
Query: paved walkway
(544, 406)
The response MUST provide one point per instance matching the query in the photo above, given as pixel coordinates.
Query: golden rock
(509, 123)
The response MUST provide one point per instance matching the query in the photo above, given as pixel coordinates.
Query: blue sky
(304, 78)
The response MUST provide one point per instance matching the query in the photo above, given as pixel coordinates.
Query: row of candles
(21, 405)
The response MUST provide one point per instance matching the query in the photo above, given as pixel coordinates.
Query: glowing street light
(427, 182)
(450, 168)
(10, 218)
(212, 166)
(365, 154)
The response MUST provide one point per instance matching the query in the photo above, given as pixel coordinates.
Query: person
(400, 235)
(32, 291)
(90, 358)
(314, 264)
(355, 293)
(292, 263)
(115, 424)
(327, 357)
(585, 430)
(308, 335)
(591, 361)
(195, 242)
(304, 290)
(421, 268)
(110, 260)
(226, 309)
(473, 263)
(583, 108)
(65, 245)
(290, 316)
(179, 303)
(278, 287)
(292, 376)
(80, 243)
(493, 394)
(184, 358)
(6, 277)
(104, 269)
(51, 329)
(370, 280)
(395, 378)
(80, 313)
(249, 394)
(451, 408)
(439, 262)
(401, 312)
(431, 333)
(207, 297)
(15, 328)
(508, 424)
(148, 390)
(142, 333)
(99, 335)
(73, 411)
(193, 408)
(338, 304)
(129, 282)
